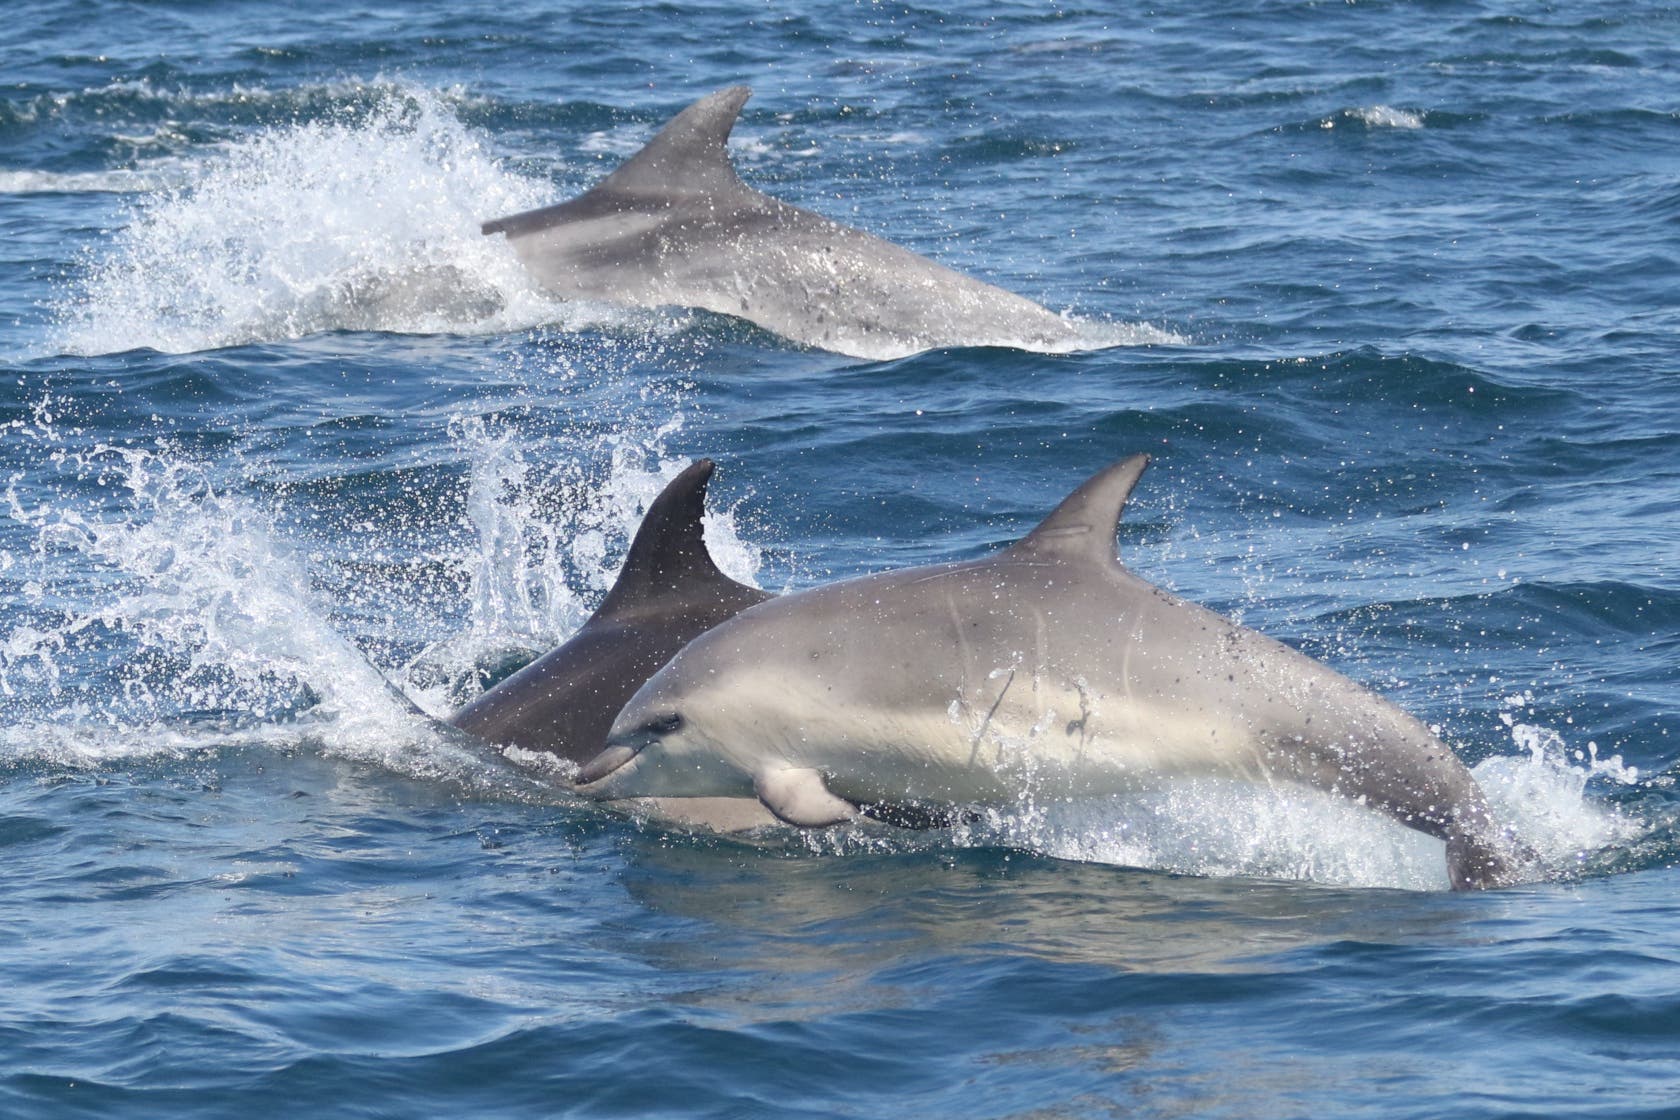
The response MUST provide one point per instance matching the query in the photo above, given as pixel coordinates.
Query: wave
(1375, 116)
(1592, 611)
(1538, 789)
(118, 181)
(163, 95)
(204, 630)
(1223, 828)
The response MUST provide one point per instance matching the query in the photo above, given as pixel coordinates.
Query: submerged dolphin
(674, 225)
(668, 592)
(1046, 668)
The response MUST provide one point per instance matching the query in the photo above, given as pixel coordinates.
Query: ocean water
(287, 448)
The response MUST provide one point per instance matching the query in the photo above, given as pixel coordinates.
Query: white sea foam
(1221, 828)
(1376, 116)
(1100, 334)
(1218, 827)
(623, 141)
(369, 223)
(1542, 792)
(207, 611)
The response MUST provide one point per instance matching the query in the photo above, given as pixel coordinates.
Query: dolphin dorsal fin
(687, 159)
(689, 155)
(1083, 527)
(669, 551)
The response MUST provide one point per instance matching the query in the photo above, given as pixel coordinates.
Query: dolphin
(668, 592)
(1045, 670)
(675, 225)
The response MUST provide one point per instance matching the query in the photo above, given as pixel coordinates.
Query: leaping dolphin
(1047, 668)
(668, 592)
(675, 225)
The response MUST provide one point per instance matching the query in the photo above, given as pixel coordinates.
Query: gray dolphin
(1046, 668)
(668, 592)
(674, 225)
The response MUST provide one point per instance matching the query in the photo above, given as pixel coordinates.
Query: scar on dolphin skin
(986, 721)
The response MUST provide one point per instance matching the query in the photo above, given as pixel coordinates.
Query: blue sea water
(1392, 298)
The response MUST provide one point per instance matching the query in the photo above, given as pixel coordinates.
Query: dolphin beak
(605, 763)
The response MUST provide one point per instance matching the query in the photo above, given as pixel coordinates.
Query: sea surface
(1390, 292)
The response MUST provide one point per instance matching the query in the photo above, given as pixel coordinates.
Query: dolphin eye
(663, 725)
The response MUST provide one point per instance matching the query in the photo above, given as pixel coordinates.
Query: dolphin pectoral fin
(801, 798)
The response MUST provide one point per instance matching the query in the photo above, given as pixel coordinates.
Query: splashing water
(117, 181)
(370, 222)
(546, 547)
(1542, 791)
(163, 611)
(208, 632)
(1376, 116)
(1217, 827)
(1211, 827)
(1223, 827)
(193, 623)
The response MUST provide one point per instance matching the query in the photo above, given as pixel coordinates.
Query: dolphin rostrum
(668, 592)
(1047, 669)
(674, 225)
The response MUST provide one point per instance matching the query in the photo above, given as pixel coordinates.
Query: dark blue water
(1395, 287)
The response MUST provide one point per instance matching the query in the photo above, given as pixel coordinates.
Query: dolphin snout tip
(609, 760)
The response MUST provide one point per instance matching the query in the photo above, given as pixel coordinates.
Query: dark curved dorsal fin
(1083, 527)
(668, 555)
(688, 157)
